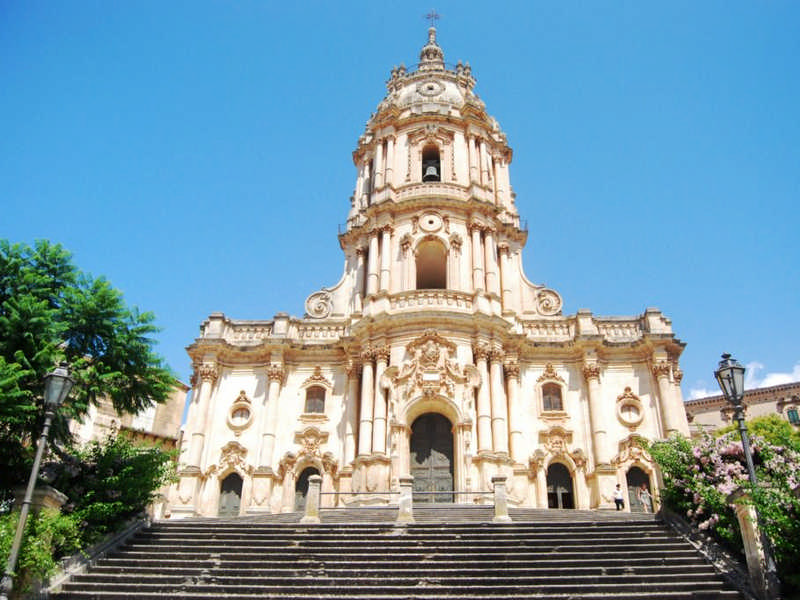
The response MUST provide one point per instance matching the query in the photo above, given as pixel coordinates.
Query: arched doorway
(559, 487)
(301, 488)
(431, 449)
(230, 496)
(635, 478)
(431, 264)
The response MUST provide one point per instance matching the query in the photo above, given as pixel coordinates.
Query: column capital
(476, 226)
(512, 368)
(661, 369)
(275, 372)
(497, 354)
(503, 249)
(382, 353)
(352, 366)
(591, 371)
(677, 374)
(480, 351)
(361, 252)
(388, 228)
(205, 372)
(367, 353)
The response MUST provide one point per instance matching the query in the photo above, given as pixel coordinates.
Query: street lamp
(730, 376)
(56, 389)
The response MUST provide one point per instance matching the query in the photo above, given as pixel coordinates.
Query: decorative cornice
(550, 374)
(317, 379)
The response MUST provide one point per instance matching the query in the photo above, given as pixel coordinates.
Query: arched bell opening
(432, 458)
(301, 488)
(636, 478)
(230, 496)
(431, 163)
(431, 264)
(560, 489)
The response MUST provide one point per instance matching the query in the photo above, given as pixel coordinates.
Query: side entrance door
(432, 458)
(230, 496)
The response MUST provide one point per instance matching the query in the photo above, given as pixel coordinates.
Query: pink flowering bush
(700, 474)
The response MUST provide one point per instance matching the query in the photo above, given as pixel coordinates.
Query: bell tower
(433, 206)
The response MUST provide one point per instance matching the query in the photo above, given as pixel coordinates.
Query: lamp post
(730, 376)
(57, 386)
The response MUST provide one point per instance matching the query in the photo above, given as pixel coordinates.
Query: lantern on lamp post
(730, 376)
(57, 386)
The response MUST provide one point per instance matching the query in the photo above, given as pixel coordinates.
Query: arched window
(431, 165)
(431, 265)
(793, 416)
(551, 397)
(315, 399)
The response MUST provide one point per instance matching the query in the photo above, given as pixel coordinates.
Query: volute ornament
(591, 371)
(319, 305)
(548, 302)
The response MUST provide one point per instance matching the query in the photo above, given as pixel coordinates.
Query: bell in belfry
(431, 173)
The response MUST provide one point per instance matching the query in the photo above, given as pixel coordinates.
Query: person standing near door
(618, 498)
(643, 494)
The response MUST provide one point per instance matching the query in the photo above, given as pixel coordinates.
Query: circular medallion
(430, 87)
(430, 222)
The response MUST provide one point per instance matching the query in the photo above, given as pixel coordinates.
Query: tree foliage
(110, 481)
(50, 311)
(699, 475)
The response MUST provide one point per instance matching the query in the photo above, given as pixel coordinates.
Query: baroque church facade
(434, 355)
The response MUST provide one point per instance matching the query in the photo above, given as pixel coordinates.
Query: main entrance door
(301, 488)
(432, 458)
(230, 496)
(559, 487)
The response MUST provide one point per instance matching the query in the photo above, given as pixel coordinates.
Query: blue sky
(198, 154)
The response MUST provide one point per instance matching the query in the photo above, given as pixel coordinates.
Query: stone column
(762, 575)
(499, 406)
(591, 372)
(367, 393)
(491, 262)
(275, 374)
(477, 257)
(405, 506)
(505, 276)
(379, 413)
(484, 407)
(360, 277)
(661, 371)
(364, 188)
(372, 264)
(389, 159)
(500, 500)
(379, 165)
(541, 485)
(287, 496)
(386, 255)
(514, 418)
(473, 160)
(312, 500)
(351, 413)
(498, 180)
(207, 373)
(484, 167)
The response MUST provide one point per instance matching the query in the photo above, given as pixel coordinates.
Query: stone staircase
(450, 552)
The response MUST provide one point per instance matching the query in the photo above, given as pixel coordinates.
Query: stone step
(531, 560)
(453, 570)
(406, 595)
(422, 586)
(599, 559)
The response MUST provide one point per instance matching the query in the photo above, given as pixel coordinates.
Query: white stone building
(434, 355)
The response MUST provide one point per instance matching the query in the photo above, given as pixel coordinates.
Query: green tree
(51, 311)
